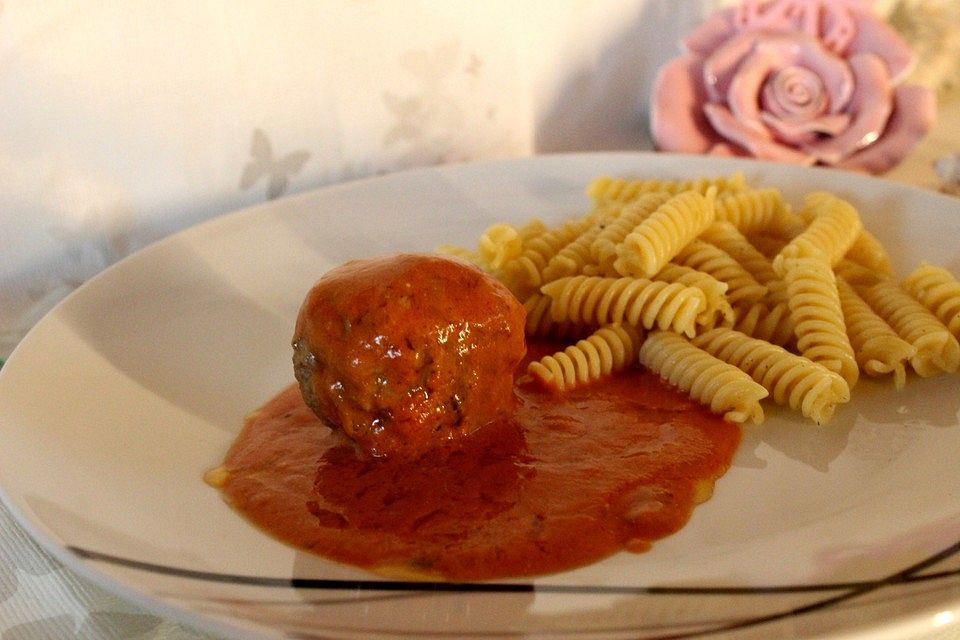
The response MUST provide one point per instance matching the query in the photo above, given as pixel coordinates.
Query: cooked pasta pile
(725, 291)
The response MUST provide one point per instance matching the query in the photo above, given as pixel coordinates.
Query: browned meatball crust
(408, 352)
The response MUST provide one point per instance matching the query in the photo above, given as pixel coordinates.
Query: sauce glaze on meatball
(408, 352)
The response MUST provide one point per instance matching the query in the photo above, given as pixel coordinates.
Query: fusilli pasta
(639, 302)
(792, 380)
(540, 324)
(797, 302)
(723, 387)
(818, 319)
(937, 349)
(833, 227)
(607, 350)
(500, 243)
(604, 189)
(603, 248)
(936, 289)
(877, 348)
(757, 210)
(703, 256)
(660, 236)
(771, 323)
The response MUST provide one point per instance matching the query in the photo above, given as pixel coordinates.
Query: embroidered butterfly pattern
(263, 164)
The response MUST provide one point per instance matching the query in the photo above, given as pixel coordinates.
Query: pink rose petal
(720, 68)
(727, 151)
(913, 116)
(870, 107)
(677, 120)
(833, 71)
(760, 146)
(805, 132)
(877, 37)
(839, 29)
(801, 81)
(746, 87)
(714, 31)
(794, 93)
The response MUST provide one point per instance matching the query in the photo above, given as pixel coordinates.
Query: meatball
(408, 352)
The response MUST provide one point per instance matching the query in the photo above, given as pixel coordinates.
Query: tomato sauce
(561, 481)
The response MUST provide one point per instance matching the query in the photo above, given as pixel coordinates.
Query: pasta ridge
(608, 189)
(937, 349)
(792, 380)
(936, 289)
(877, 347)
(756, 210)
(499, 243)
(832, 229)
(639, 302)
(540, 324)
(575, 256)
(717, 305)
(703, 256)
(814, 303)
(603, 248)
(723, 387)
(607, 350)
(870, 253)
(771, 323)
(728, 239)
(661, 236)
(525, 272)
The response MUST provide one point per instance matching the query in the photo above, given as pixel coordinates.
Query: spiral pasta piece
(771, 323)
(603, 248)
(818, 319)
(499, 243)
(723, 387)
(607, 350)
(857, 274)
(634, 301)
(793, 381)
(758, 210)
(531, 229)
(717, 307)
(703, 256)
(768, 245)
(524, 274)
(540, 324)
(834, 225)
(936, 289)
(868, 252)
(728, 238)
(937, 349)
(575, 257)
(604, 189)
(469, 255)
(661, 236)
(877, 348)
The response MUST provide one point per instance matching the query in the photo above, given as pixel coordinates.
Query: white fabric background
(123, 121)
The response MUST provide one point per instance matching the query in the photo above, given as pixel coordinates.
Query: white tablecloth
(122, 122)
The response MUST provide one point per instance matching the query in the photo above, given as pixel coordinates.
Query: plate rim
(53, 544)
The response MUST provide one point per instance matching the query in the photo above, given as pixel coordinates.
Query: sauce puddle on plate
(563, 480)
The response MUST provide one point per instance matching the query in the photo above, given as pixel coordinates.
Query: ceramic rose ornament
(801, 81)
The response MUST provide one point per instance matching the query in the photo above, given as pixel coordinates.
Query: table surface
(39, 598)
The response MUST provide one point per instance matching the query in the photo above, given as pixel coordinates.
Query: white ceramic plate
(119, 400)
